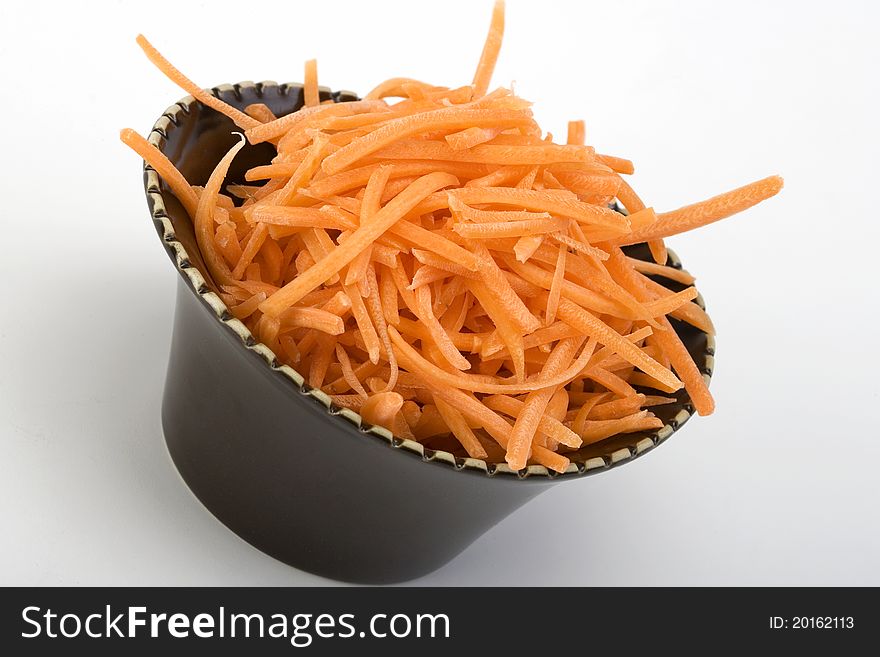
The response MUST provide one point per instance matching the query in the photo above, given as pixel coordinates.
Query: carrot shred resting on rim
(163, 166)
(441, 266)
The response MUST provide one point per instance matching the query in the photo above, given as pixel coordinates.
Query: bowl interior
(195, 137)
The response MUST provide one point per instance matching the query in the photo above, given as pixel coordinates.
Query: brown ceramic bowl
(274, 460)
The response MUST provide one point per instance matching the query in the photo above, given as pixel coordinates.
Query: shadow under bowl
(274, 460)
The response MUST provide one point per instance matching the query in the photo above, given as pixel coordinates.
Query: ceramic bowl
(274, 460)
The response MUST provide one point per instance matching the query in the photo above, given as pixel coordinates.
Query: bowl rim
(199, 286)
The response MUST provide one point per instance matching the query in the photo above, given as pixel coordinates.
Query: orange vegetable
(439, 265)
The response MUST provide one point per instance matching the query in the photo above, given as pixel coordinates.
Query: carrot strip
(227, 242)
(359, 240)
(596, 430)
(689, 312)
(499, 288)
(459, 427)
(557, 409)
(320, 363)
(376, 312)
(297, 217)
(204, 220)
(443, 247)
(478, 383)
(618, 164)
(438, 334)
(582, 320)
(510, 228)
(581, 247)
(163, 166)
(310, 84)
(448, 118)
(542, 202)
(247, 308)
(495, 154)
(491, 48)
(496, 426)
(555, 288)
(654, 269)
(526, 246)
(381, 409)
(618, 408)
(348, 373)
(706, 212)
(317, 319)
(393, 87)
(388, 296)
(669, 342)
(353, 178)
(470, 137)
(343, 383)
(364, 323)
(241, 119)
(578, 424)
(309, 117)
(261, 232)
(610, 381)
(576, 133)
(260, 112)
(529, 417)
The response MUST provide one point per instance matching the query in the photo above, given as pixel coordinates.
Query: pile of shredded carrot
(430, 258)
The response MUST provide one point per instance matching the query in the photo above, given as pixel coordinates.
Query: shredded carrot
(492, 47)
(510, 228)
(535, 404)
(246, 308)
(619, 164)
(460, 429)
(163, 166)
(470, 137)
(260, 112)
(576, 133)
(241, 119)
(555, 288)
(348, 373)
(310, 84)
(204, 220)
(359, 240)
(431, 259)
(706, 212)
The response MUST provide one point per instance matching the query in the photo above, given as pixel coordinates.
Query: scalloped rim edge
(197, 281)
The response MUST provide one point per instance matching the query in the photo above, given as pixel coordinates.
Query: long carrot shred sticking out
(429, 258)
(241, 119)
(707, 212)
(491, 48)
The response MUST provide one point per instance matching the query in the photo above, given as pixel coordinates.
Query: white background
(780, 486)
